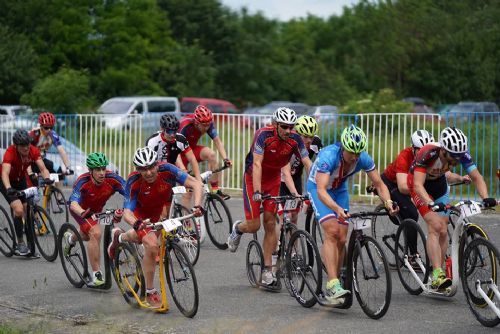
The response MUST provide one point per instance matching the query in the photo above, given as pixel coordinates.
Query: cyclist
(17, 159)
(271, 150)
(431, 163)
(44, 137)
(90, 193)
(193, 127)
(327, 189)
(148, 194)
(170, 146)
(291, 174)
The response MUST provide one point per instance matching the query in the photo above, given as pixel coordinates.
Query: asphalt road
(36, 296)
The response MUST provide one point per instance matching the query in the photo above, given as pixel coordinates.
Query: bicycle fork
(486, 298)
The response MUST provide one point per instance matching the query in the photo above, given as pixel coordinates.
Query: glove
(227, 163)
(48, 182)
(436, 207)
(86, 214)
(34, 179)
(137, 224)
(198, 211)
(489, 202)
(11, 192)
(69, 171)
(117, 216)
(257, 196)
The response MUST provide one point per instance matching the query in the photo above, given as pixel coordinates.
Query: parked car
(468, 111)
(119, 111)
(189, 104)
(16, 117)
(419, 105)
(268, 109)
(326, 113)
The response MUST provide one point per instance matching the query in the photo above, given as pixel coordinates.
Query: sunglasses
(456, 156)
(48, 128)
(169, 132)
(287, 127)
(145, 169)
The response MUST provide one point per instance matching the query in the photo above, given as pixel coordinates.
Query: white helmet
(453, 140)
(285, 115)
(420, 138)
(145, 157)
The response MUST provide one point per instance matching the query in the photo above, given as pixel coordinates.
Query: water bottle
(449, 272)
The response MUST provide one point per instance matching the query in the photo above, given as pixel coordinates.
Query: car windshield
(115, 107)
(463, 108)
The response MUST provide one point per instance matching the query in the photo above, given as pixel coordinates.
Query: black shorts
(297, 181)
(48, 164)
(21, 185)
(406, 207)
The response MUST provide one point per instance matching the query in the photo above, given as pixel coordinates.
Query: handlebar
(160, 225)
(281, 199)
(448, 206)
(206, 175)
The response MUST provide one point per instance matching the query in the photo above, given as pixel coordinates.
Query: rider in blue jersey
(327, 189)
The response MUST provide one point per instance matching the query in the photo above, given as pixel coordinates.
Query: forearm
(420, 191)
(194, 166)
(129, 217)
(257, 177)
(326, 199)
(481, 187)
(64, 156)
(220, 148)
(76, 208)
(453, 177)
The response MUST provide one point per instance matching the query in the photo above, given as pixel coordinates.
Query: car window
(3, 112)
(216, 108)
(188, 106)
(232, 110)
(116, 107)
(161, 106)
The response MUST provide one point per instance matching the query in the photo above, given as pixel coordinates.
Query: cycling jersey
(19, 166)
(168, 151)
(296, 162)
(401, 164)
(192, 134)
(44, 142)
(94, 196)
(147, 200)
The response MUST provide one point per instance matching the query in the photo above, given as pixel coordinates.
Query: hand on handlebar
(436, 207)
(198, 211)
(227, 163)
(257, 196)
(466, 179)
(138, 225)
(86, 214)
(11, 192)
(489, 202)
(342, 214)
(392, 207)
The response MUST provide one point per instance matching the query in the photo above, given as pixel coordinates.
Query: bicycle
(74, 258)
(365, 263)
(409, 261)
(255, 254)
(54, 201)
(174, 262)
(7, 233)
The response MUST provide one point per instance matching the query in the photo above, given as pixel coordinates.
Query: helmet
(421, 137)
(169, 122)
(306, 126)
(453, 140)
(96, 160)
(202, 114)
(145, 157)
(46, 119)
(354, 139)
(285, 115)
(21, 137)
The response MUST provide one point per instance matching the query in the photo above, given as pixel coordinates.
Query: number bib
(290, 204)
(472, 209)
(170, 224)
(361, 223)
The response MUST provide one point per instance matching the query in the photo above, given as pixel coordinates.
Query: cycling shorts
(269, 187)
(85, 224)
(323, 212)
(197, 154)
(421, 205)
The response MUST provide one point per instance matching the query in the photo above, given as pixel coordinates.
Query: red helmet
(46, 119)
(202, 114)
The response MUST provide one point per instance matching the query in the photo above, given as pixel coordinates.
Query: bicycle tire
(470, 233)
(384, 231)
(74, 258)
(57, 207)
(317, 236)
(305, 278)
(402, 251)
(45, 233)
(254, 262)
(127, 265)
(289, 231)
(375, 263)
(218, 226)
(7, 234)
(185, 273)
(189, 238)
(474, 249)
(307, 223)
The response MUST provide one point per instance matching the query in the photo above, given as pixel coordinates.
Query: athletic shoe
(224, 196)
(335, 292)
(114, 243)
(69, 242)
(22, 250)
(98, 280)
(441, 281)
(268, 277)
(233, 241)
(153, 299)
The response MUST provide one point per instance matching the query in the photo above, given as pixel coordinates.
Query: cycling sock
(150, 291)
(436, 272)
(120, 238)
(215, 185)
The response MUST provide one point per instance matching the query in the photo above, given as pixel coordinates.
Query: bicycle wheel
(415, 254)
(188, 235)
(304, 276)
(371, 278)
(384, 231)
(181, 280)
(57, 207)
(471, 232)
(317, 233)
(73, 258)
(218, 220)
(128, 274)
(7, 234)
(45, 233)
(309, 218)
(282, 272)
(254, 262)
(481, 260)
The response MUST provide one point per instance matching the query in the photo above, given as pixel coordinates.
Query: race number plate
(54, 177)
(361, 223)
(290, 204)
(179, 190)
(170, 224)
(106, 220)
(471, 209)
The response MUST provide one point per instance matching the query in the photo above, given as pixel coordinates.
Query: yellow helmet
(306, 126)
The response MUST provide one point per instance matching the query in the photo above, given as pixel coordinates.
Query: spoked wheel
(7, 234)
(45, 233)
(479, 269)
(254, 262)
(57, 207)
(371, 278)
(181, 280)
(384, 231)
(189, 238)
(128, 274)
(304, 268)
(289, 231)
(218, 221)
(73, 257)
(410, 245)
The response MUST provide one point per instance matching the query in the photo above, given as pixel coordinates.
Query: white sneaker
(268, 277)
(233, 241)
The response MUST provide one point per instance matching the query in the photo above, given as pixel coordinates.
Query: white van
(148, 108)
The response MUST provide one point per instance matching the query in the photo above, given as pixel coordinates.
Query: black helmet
(21, 137)
(169, 122)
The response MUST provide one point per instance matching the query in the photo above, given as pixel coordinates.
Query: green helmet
(354, 139)
(96, 160)
(306, 126)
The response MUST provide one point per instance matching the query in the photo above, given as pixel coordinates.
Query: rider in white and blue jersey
(327, 189)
